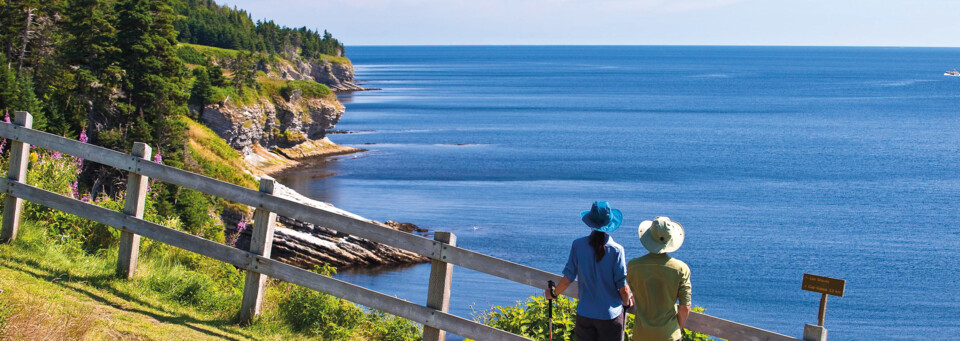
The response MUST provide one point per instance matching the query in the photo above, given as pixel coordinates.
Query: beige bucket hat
(661, 235)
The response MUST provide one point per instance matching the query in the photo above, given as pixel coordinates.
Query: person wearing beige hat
(658, 282)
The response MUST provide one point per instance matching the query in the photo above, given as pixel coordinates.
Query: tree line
(110, 69)
(205, 22)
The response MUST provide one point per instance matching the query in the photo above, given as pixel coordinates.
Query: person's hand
(546, 293)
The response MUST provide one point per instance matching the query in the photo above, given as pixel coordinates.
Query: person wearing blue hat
(600, 265)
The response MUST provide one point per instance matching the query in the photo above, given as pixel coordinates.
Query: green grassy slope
(51, 290)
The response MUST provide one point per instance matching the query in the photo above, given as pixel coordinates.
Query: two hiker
(608, 284)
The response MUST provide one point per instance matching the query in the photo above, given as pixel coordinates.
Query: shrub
(308, 89)
(331, 318)
(381, 326)
(190, 55)
(530, 319)
(195, 211)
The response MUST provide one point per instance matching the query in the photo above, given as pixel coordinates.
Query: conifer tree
(202, 92)
(8, 84)
(216, 76)
(25, 99)
(90, 36)
(243, 71)
(152, 81)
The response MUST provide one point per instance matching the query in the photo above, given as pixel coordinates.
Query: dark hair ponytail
(598, 241)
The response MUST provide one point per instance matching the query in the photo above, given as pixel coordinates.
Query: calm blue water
(842, 162)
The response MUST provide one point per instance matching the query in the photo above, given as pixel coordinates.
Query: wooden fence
(442, 250)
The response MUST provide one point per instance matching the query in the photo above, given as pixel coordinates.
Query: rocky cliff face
(275, 123)
(274, 130)
(337, 76)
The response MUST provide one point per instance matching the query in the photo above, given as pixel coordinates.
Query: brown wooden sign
(823, 285)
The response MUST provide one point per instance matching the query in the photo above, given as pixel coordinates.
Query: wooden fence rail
(443, 251)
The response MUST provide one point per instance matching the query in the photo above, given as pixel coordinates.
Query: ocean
(778, 161)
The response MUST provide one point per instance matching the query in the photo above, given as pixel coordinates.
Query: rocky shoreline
(307, 245)
(279, 134)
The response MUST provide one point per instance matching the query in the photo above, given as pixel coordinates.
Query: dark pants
(588, 329)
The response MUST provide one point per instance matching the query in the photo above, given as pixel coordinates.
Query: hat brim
(656, 246)
(616, 218)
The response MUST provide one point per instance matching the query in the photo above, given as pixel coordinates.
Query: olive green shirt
(658, 281)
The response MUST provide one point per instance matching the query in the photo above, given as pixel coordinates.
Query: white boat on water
(953, 73)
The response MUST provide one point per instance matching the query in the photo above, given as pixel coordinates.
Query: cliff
(272, 122)
(334, 72)
(285, 119)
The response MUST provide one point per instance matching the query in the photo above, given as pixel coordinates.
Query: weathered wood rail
(442, 251)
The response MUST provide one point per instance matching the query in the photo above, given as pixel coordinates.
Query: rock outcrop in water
(305, 245)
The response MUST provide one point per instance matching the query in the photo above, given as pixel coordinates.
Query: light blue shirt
(599, 281)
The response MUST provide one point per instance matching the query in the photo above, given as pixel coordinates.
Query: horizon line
(650, 45)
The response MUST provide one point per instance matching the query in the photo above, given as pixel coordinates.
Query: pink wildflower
(75, 189)
(3, 142)
(241, 225)
(56, 155)
(83, 136)
(157, 158)
(85, 198)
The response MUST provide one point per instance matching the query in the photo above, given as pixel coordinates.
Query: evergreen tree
(8, 84)
(90, 36)
(25, 99)
(152, 80)
(243, 70)
(202, 91)
(216, 76)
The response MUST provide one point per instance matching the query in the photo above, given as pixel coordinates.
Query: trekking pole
(553, 295)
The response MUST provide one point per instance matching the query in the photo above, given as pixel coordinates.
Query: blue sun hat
(601, 217)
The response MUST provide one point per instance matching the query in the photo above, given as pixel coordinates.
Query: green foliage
(206, 23)
(57, 173)
(242, 67)
(530, 319)
(24, 99)
(190, 55)
(8, 84)
(90, 35)
(307, 88)
(212, 52)
(195, 210)
(697, 336)
(190, 287)
(202, 91)
(331, 318)
(216, 76)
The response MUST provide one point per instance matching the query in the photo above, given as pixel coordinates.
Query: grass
(53, 292)
(215, 158)
(213, 52)
(336, 60)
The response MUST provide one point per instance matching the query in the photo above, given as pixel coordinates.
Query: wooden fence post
(19, 160)
(133, 206)
(438, 292)
(261, 241)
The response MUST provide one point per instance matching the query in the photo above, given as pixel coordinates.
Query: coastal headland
(284, 128)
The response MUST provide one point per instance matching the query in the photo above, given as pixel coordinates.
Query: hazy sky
(622, 22)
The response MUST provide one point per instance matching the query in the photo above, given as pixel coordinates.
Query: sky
(621, 22)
